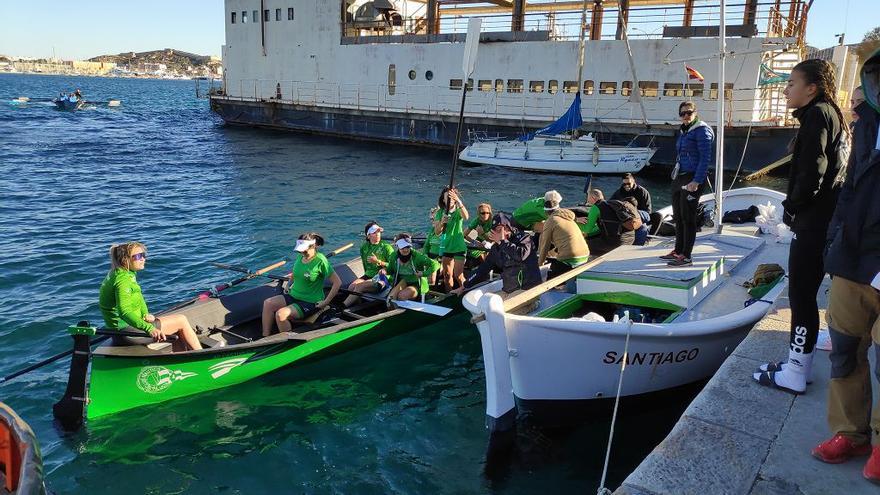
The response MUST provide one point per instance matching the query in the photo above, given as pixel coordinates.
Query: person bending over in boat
(481, 225)
(448, 225)
(512, 255)
(609, 224)
(532, 214)
(375, 255)
(630, 189)
(122, 302)
(562, 234)
(311, 270)
(410, 270)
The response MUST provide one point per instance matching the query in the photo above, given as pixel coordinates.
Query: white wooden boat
(685, 322)
(559, 154)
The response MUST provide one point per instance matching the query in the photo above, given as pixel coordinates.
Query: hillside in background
(174, 60)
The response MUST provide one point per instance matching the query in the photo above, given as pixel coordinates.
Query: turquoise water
(404, 416)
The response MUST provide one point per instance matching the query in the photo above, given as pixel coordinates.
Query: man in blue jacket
(696, 152)
(853, 260)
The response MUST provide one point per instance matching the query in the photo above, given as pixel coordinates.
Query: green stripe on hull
(120, 383)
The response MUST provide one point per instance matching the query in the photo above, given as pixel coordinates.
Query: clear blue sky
(32, 28)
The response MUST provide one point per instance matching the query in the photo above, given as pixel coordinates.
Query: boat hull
(68, 105)
(20, 456)
(763, 144)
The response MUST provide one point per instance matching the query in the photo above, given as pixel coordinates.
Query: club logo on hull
(223, 367)
(157, 379)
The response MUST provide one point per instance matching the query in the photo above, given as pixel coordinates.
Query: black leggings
(805, 273)
(684, 214)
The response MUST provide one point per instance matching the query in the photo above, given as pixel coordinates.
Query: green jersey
(432, 243)
(383, 251)
(122, 302)
(452, 238)
(418, 262)
(308, 278)
(590, 228)
(530, 213)
(486, 225)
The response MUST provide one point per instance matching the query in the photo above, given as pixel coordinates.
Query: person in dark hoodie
(853, 260)
(630, 189)
(808, 207)
(696, 153)
(512, 255)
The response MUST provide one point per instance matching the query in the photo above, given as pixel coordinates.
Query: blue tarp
(570, 120)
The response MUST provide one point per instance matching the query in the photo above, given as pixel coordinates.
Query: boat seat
(312, 318)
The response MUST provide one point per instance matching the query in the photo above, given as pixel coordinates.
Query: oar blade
(423, 307)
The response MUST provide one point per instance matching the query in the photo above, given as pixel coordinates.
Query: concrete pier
(738, 437)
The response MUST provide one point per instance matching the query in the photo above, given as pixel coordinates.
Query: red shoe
(871, 471)
(669, 257)
(840, 449)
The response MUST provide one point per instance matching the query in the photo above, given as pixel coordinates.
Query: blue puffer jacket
(696, 150)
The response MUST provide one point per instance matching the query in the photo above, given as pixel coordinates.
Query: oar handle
(220, 288)
(339, 250)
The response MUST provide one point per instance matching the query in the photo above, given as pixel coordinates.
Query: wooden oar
(524, 297)
(219, 288)
(104, 335)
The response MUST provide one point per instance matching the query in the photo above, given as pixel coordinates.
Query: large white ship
(391, 70)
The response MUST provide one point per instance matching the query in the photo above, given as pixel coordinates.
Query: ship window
(536, 86)
(649, 89)
(266, 16)
(695, 90)
(233, 17)
(588, 87)
(607, 87)
(455, 84)
(670, 89)
(728, 91)
(412, 75)
(255, 16)
(514, 85)
(553, 86)
(626, 88)
(569, 86)
(429, 75)
(244, 16)
(484, 85)
(290, 13)
(499, 85)
(470, 84)
(277, 14)
(392, 79)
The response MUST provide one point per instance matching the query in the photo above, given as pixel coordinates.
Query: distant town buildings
(147, 64)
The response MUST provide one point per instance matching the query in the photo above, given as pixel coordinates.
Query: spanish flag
(693, 73)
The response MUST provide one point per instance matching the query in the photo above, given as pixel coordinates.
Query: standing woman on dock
(809, 205)
(122, 302)
(449, 225)
(696, 151)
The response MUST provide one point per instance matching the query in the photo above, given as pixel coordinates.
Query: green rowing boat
(124, 377)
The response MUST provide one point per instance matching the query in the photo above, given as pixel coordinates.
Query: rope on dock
(602, 489)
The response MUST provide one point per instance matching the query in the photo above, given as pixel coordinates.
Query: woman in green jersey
(481, 225)
(306, 294)
(375, 254)
(410, 270)
(122, 302)
(448, 224)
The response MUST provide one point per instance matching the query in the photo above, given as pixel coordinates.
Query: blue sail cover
(570, 120)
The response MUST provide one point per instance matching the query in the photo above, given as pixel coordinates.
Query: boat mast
(582, 46)
(719, 133)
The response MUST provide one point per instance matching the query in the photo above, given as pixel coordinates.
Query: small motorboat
(21, 466)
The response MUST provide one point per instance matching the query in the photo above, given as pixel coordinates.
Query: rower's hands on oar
(157, 335)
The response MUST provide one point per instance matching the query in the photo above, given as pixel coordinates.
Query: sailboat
(550, 352)
(558, 147)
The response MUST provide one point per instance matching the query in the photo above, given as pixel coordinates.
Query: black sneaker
(680, 261)
(669, 257)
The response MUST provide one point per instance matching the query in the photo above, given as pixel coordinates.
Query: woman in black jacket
(808, 208)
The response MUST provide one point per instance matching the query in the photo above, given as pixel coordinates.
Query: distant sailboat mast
(719, 133)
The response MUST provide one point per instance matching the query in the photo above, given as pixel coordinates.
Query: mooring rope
(602, 489)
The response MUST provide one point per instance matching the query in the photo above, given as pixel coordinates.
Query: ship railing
(744, 105)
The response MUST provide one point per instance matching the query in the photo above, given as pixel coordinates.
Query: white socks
(794, 373)
(808, 366)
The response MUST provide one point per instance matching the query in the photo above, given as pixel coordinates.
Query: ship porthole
(429, 75)
(412, 75)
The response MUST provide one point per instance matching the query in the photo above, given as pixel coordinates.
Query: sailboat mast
(719, 133)
(582, 46)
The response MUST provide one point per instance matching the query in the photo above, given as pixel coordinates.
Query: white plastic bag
(783, 233)
(768, 219)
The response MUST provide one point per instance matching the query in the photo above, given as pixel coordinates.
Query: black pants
(684, 214)
(805, 273)
(557, 268)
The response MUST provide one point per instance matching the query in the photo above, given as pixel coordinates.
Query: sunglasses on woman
(139, 256)
(686, 112)
(485, 213)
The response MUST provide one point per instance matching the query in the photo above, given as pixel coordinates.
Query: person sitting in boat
(630, 189)
(375, 255)
(512, 255)
(561, 233)
(481, 225)
(448, 223)
(410, 270)
(77, 94)
(609, 224)
(310, 272)
(122, 302)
